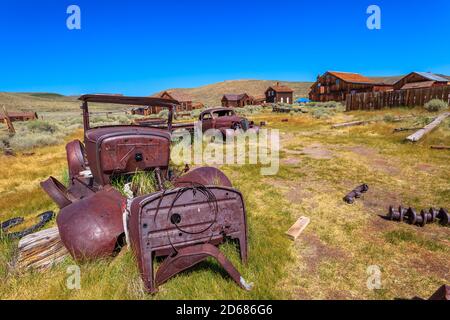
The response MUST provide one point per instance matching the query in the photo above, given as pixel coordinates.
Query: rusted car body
(223, 119)
(185, 223)
(90, 220)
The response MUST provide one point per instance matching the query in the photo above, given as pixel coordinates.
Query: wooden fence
(399, 98)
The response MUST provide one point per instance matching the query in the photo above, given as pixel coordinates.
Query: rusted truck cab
(124, 149)
(224, 118)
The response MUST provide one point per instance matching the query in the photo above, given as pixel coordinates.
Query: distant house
(236, 100)
(183, 98)
(197, 105)
(259, 99)
(279, 94)
(421, 80)
(19, 116)
(334, 86)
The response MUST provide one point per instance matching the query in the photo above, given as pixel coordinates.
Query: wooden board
(41, 250)
(297, 228)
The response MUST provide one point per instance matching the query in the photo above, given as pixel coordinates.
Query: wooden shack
(416, 80)
(183, 98)
(236, 100)
(279, 94)
(259, 99)
(19, 116)
(334, 86)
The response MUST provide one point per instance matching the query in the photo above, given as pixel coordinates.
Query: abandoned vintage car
(184, 222)
(220, 118)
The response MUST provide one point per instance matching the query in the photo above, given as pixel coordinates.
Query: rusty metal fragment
(208, 176)
(163, 223)
(186, 258)
(92, 227)
(443, 294)
(420, 219)
(356, 193)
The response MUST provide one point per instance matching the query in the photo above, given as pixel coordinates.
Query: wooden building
(19, 116)
(334, 86)
(236, 100)
(259, 100)
(279, 94)
(183, 98)
(416, 80)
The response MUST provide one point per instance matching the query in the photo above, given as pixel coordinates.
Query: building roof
(421, 84)
(259, 97)
(444, 76)
(351, 77)
(279, 88)
(432, 76)
(234, 97)
(177, 95)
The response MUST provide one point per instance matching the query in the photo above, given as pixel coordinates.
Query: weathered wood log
(349, 124)
(405, 129)
(362, 122)
(428, 128)
(440, 147)
(41, 250)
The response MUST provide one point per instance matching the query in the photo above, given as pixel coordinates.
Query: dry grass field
(319, 165)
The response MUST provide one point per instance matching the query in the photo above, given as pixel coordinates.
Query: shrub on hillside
(37, 126)
(436, 105)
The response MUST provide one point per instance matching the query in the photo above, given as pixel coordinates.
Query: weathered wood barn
(19, 116)
(259, 99)
(183, 98)
(421, 80)
(236, 100)
(279, 94)
(334, 86)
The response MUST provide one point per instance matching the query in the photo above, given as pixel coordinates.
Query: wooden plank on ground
(428, 128)
(41, 250)
(440, 147)
(298, 227)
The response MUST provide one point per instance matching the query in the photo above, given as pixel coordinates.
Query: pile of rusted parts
(421, 219)
(185, 223)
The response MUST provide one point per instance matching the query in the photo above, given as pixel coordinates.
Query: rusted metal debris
(184, 223)
(92, 227)
(356, 193)
(441, 294)
(44, 218)
(163, 223)
(411, 216)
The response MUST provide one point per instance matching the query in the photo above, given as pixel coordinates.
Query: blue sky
(140, 47)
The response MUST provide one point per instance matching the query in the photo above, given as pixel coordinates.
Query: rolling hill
(211, 94)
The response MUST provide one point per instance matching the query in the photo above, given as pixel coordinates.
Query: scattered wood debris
(363, 122)
(440, 147)
(405, 129)
(8, 122)
(428, 128)
(41, 250)
(298, 227)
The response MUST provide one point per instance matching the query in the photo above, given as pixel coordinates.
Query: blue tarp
(303, 100)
